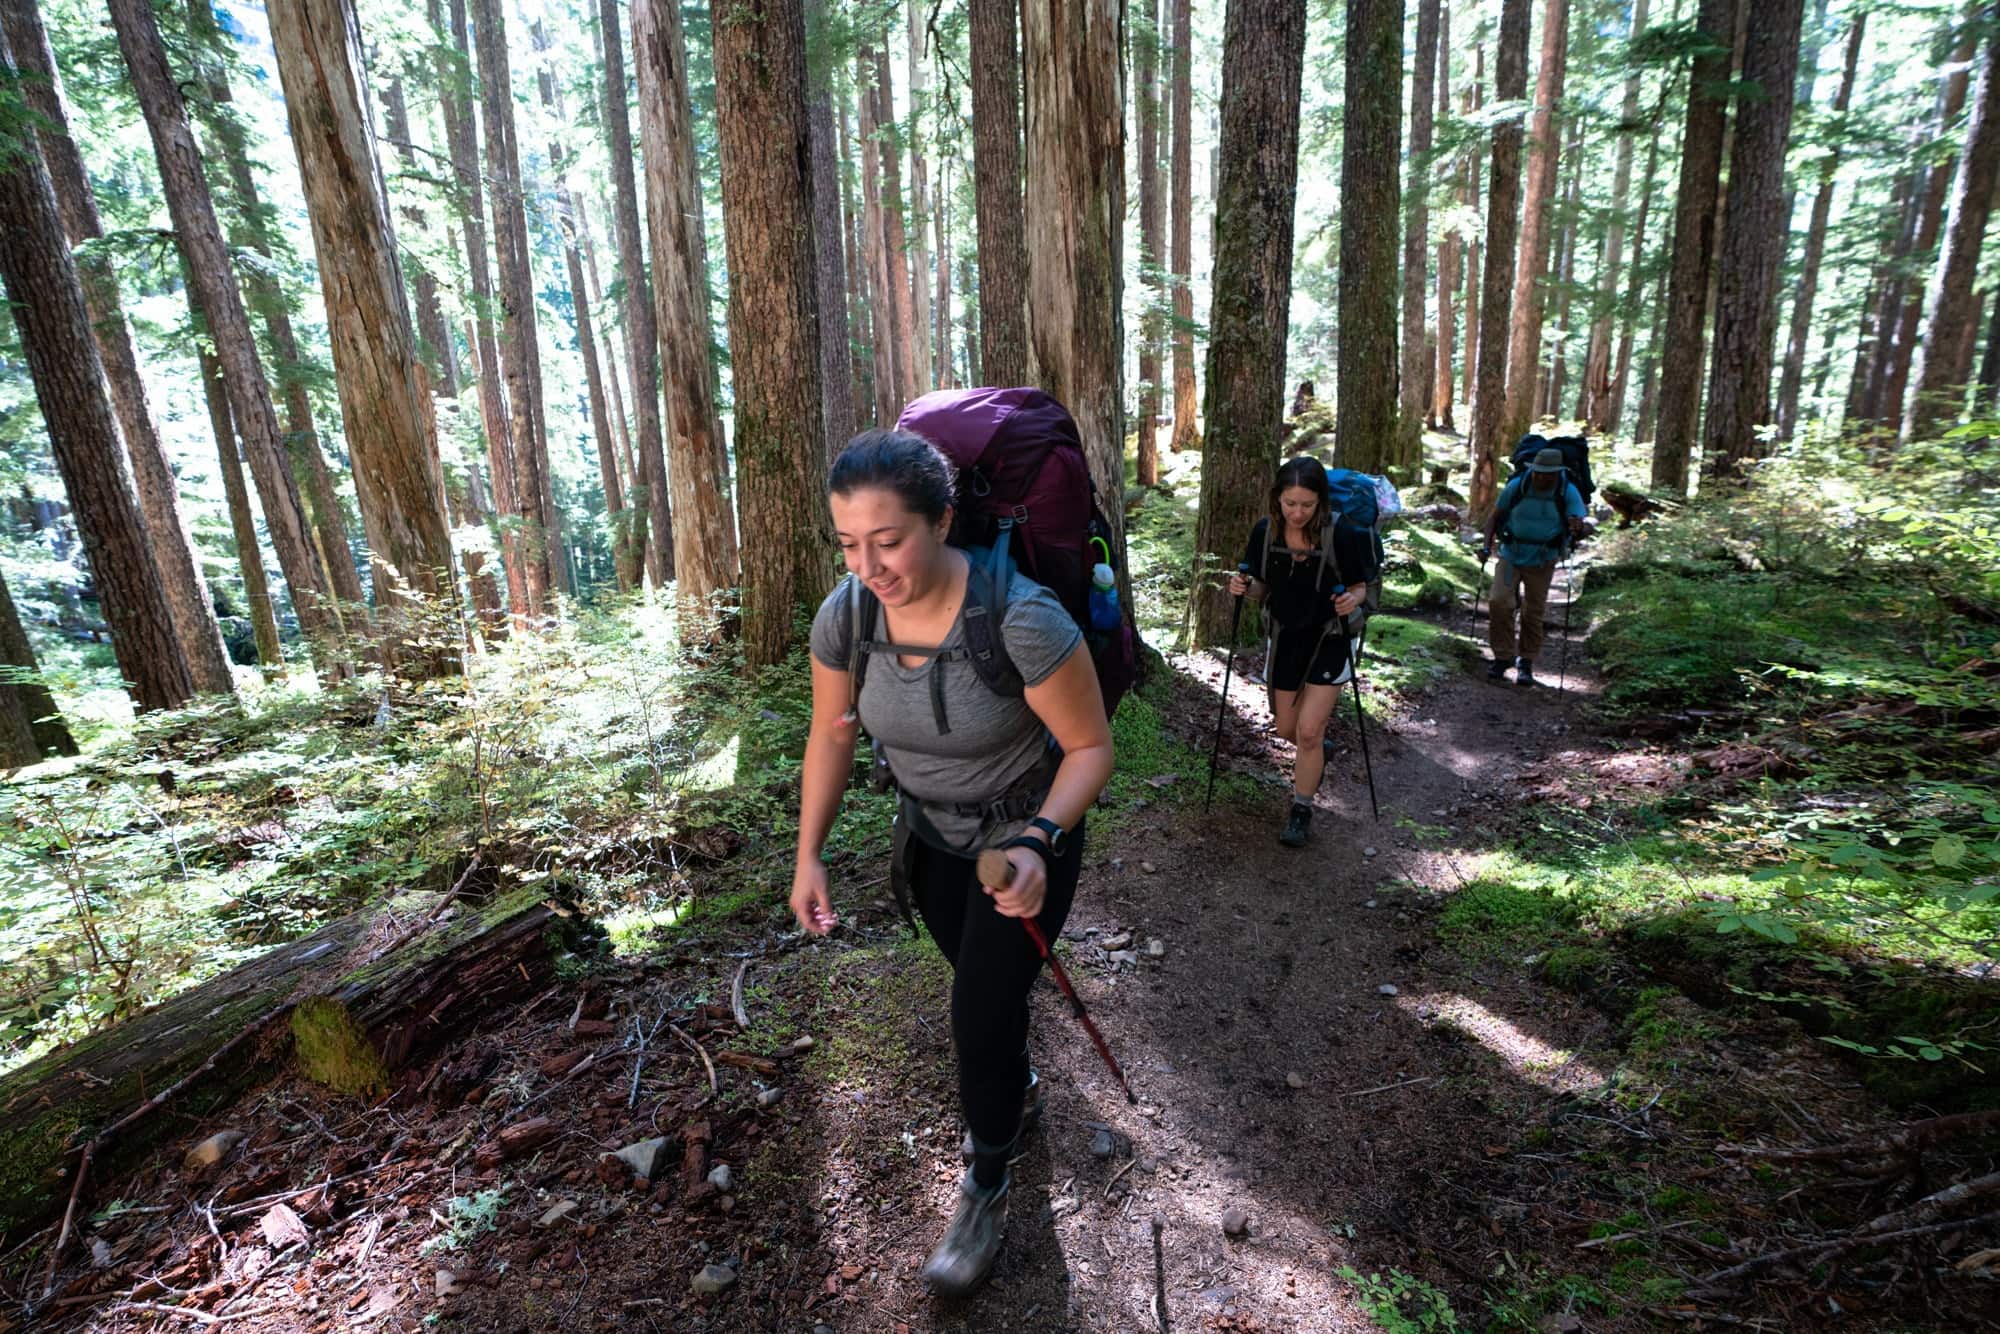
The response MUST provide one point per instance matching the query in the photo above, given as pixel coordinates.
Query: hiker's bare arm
(1346, 602)
(823, 774)
(1070, 706)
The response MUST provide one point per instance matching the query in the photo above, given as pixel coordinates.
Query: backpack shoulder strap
(985, 610)
(862, 606)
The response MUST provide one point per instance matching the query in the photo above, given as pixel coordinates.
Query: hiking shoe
(971, 1240)
(1496, 670)
(1031, 1116)
(1298, 826)
(1524, 675)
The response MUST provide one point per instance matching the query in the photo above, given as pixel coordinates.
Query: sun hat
(1548, 460)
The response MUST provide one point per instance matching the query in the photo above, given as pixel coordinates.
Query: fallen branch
(69, 1217)
(1384, 1088)
(1713, 1284)
(195, 1312)
(436, 911)
(714, 1088)
(1896, 1140)
(757, 1065)
(1129, 1162)
(736, 997)
(1930, 1207)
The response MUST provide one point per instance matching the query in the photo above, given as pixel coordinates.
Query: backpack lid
(973, 426)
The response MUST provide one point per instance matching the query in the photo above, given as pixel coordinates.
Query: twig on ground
(437, 910)
(1898, 1139)
(1384, 1088)
(714, 1087)
(196, 1313)
(736, 997)
(643, 1036)
(69, 1217)
(1714, 1284)
(1129, 1164)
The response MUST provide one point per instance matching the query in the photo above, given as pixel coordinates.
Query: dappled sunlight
(1527, 1056)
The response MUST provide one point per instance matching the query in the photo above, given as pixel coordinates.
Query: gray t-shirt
(994, 741)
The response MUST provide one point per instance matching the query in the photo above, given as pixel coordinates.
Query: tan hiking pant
(1527, 590)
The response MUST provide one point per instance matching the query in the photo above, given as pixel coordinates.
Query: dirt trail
(1279, 1075)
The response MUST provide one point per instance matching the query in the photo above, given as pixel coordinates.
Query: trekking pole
(1235, 620)
(997, 871)
(1569, 601)
(1360, 719)
(1479, 589)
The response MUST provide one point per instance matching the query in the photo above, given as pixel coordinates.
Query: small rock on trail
(713, 1279)
(1235, 1222)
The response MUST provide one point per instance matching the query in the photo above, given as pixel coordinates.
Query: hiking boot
(971, 1240)
(1496, 670)
(1298, 826)
(1031, 1116)
(1524, 675)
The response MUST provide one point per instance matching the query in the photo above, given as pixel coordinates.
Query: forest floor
(1421, 1125)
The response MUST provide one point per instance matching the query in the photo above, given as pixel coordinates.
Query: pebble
(557, 1211)
(1235, 1222)
(721, 1177)
(1295, 1079)
(1387, 989)
(643, 1157)
(1370, 852)
(1115, 942)
(447, 1283)
(1148, 867)
(769, 1097)
(1156, 948)
(713, 1279)
(802, 1045)
(1124, 956)
(212, 1150)
(1370, 904)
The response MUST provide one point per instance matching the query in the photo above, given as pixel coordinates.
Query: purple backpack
(1025, 500)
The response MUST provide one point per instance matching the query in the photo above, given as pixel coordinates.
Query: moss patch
(332, 1049)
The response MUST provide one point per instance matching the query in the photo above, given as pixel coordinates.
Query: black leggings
(993, 966)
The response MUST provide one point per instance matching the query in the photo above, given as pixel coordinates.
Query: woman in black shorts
(1307, 584)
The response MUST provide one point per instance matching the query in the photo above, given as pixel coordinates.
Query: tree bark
(249, 557)
(1524, 348)
(1951, 309)
(384, 400)
(41, 281)
(996, 153)
(326, 524)
(1413, 377)
(1365, 408)
(910, 381)
(1614, 407)
(1489, 426)
(1474, 257)
(704, 536)
(1145, 43)
(1442, 383)
(1802, 306)
(474, 507)
(1594, 404)
(1075, 210)
(1180, 208)
(433, 334)
(470, 201)
(885, 347)
(923, 362)
(207, 262)
(1753, 245)
(1872, 353)
(30, 726)
(860, 279)
(188, 599)
(519, 355)
(1938, 183)
(835, 367)
(1694, 243)
(1563, 268)
(1986, 398)
(947, 375)
(767, 214)
(1263, 63)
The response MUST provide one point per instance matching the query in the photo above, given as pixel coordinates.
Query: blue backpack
(1361, 500)
(1535, 520)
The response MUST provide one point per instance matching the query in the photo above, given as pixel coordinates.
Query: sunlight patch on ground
(715, 772)
(1526, 1055)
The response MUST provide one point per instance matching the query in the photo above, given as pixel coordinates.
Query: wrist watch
(1057, 834)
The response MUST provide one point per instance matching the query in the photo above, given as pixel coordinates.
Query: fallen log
(351, 1024)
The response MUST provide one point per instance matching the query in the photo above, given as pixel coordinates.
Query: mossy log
(352, 1019)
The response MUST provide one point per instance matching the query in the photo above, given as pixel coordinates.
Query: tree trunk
(910, 381)
(1075, 210)
(1474, 260)
(1524, 348)
(384, 403)
(1442, 384)
(922, 360)
(30, 727)
(250, 229)
(653, 521)
(947, 375)
(188, 600)
(767, 214)
(1871, 364)
(1564, 270)
(1802, 307)
(1951, 308)
(1594, 405)
(355, 1020)
(968, 284)
(1694, 243)
(249, 558)
(41, 281)
(1614, 407)
(835, 372)
(1145, 42)
(1413, 378)
(1930, 221)
(1365, 406)
(860, 276)
(470, 203)
(1490, 441)
(996, 153)
(1753, 245)
(1180, 208)
(1987, 396)
(886, 347)
(519, 355)
(1263, 63)
(207, 263)
(433, 334)
(704, 536)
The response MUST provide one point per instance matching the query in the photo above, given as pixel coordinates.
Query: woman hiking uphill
(976, 769)
(1311, 579)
